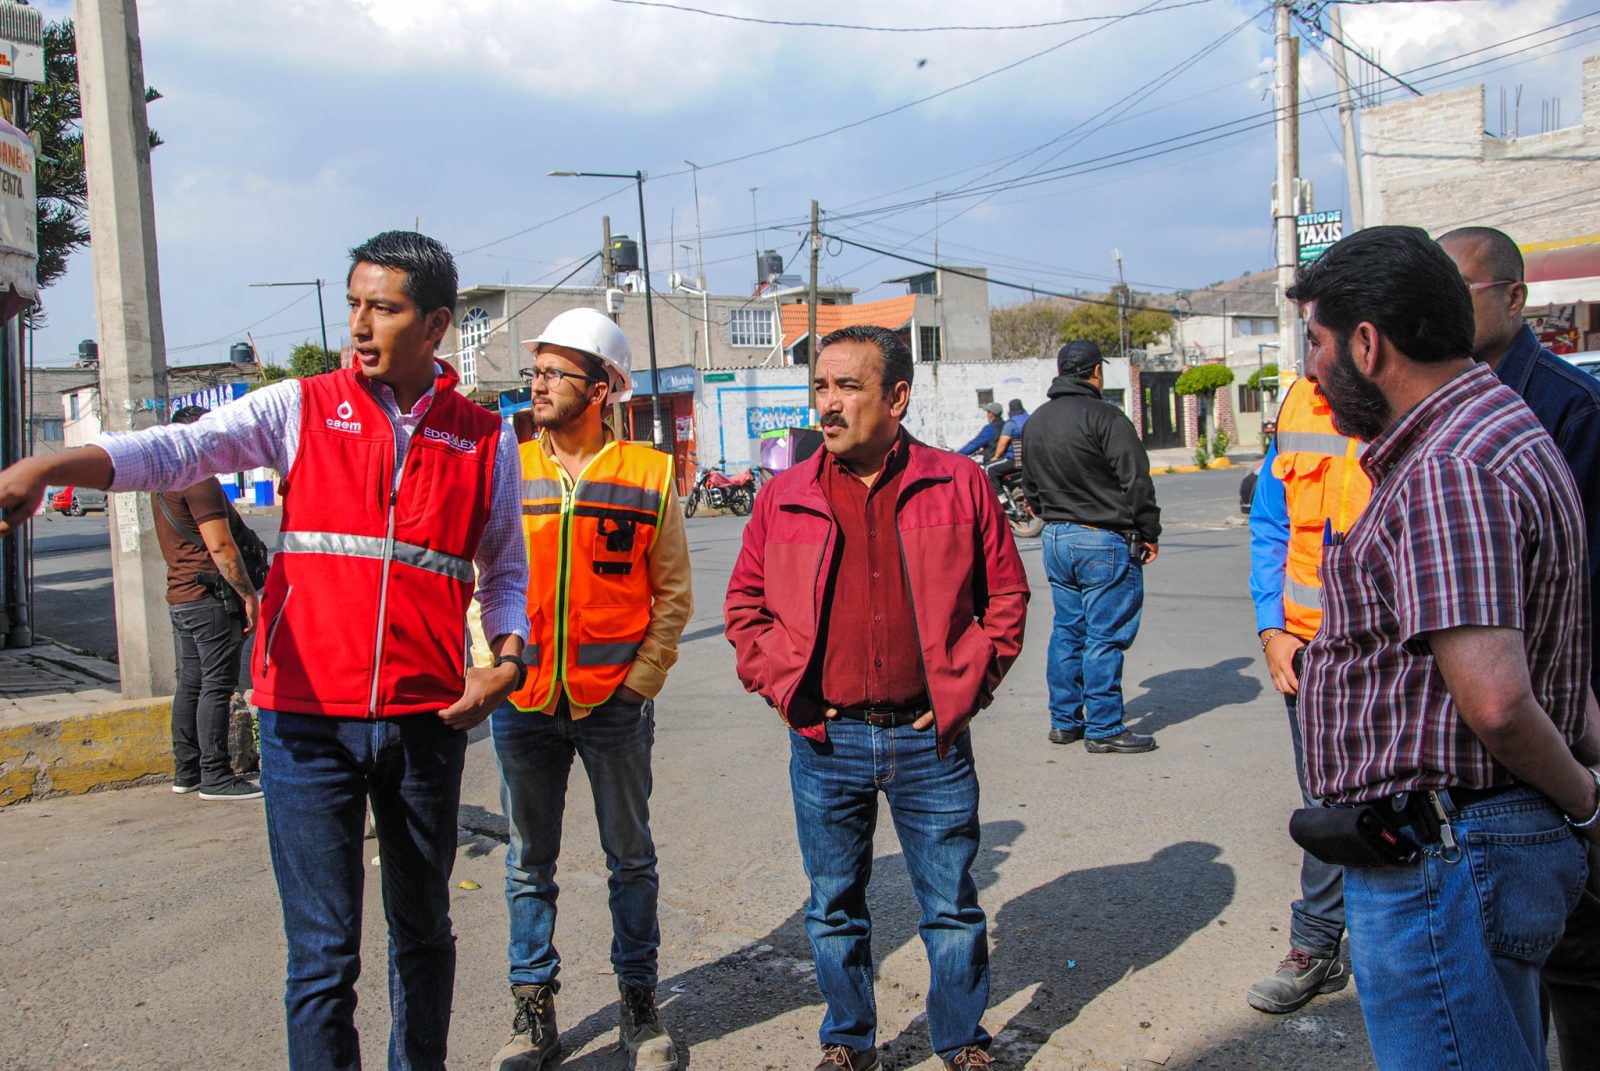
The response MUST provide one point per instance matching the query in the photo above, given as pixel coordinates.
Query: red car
(75, 501)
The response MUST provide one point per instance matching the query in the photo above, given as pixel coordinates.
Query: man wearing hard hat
(611, 598)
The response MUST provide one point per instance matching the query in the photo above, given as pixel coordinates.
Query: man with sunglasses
(1567, 402)
(608, 597)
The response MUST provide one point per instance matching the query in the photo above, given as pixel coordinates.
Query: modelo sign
(1316, 232)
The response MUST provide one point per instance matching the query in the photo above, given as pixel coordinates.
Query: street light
(649, 306)
(327, 355)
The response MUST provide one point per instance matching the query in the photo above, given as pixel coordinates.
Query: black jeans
(997, 470)
(208, 640)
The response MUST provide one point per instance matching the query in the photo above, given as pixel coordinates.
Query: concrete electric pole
(1287, 94)
(811, 315)
(1347, 125)
(133, 362)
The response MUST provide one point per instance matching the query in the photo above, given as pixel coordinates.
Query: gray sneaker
(535, 1043)
(649, 1047)
(238, 789)
(1298, 978)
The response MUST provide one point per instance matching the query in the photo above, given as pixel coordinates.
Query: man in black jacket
(1086, 473)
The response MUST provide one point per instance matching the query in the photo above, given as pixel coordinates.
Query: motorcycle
(715, 489)
(1025, 524)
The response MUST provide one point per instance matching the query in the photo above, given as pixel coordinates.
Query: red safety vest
(364, 612)
(585, 623)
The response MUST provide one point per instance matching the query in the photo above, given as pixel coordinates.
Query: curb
(1173, 470)
(120, 744)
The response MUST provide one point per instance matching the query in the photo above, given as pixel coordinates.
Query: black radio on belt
(616, 536)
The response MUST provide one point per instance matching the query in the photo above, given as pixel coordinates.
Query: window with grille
(750, 327)
(474, 329)
(1249, 399)
(928, 344)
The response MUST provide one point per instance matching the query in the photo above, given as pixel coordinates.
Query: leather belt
(884, 717)
(1466, 797)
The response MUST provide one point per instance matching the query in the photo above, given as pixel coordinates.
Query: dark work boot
(535, 1041)
(1298, 978)
(649, 1047)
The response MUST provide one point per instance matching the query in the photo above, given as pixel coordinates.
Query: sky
(295, 130)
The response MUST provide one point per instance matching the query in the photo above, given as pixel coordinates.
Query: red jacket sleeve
(745, 614)
(1003, 612)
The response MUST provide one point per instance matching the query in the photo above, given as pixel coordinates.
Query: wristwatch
(1266, 637)
(522, 669)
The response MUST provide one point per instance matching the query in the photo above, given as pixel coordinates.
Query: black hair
(1399, 280)
(189, 414)
(897, 363)
(430, 271)
(1500, 254)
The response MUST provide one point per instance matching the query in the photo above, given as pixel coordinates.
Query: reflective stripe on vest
(1308, 595)
(355, 546)
(589, 602)
(1315, 442)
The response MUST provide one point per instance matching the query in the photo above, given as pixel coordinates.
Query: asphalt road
(1132, 899)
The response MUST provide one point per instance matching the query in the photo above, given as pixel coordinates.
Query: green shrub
(1203, 377)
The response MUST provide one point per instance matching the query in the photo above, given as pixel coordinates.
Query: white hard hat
(591, 331)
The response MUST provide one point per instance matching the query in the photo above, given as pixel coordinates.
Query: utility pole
(1286, 87)
(1122, 306)
(699, 241)
(1347, 125)
(811, 315)
(133, 363)
(619, 423)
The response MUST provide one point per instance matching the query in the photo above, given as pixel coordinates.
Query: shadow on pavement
(1117, 918)
(1174, 697)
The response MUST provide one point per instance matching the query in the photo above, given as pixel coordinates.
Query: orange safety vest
(1323, 483)
(592, 538)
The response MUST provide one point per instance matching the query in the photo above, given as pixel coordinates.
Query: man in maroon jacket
(878, 683)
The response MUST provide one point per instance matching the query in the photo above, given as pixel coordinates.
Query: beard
(1359, 408)
(563, 412)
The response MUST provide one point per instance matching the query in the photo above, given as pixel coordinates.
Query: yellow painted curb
(1173, 470)
(119, 744)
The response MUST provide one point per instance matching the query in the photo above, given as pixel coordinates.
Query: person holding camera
(1086, 473)
(213, 606)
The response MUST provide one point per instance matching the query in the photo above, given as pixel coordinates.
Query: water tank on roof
(241, 353)
(88, 351)
(624, 254)
(769, 265)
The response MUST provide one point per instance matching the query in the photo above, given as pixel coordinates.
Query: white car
(1589, 361)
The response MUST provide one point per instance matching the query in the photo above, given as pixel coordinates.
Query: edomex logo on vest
(455, 442)
(343, 421)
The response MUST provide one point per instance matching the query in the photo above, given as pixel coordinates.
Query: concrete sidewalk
(65, 728)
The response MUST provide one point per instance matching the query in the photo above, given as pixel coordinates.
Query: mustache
(833, 420)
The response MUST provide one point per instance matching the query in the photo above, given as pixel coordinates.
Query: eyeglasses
(1493, 283)
(553, 376)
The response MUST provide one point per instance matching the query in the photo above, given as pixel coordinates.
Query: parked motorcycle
(1025, 524)
(714, 489)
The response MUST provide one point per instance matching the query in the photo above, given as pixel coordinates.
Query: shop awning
(1562, 276)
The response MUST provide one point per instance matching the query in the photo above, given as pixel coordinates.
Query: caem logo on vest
(344, 423)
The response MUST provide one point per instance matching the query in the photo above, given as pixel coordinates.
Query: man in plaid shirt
(1449, 683)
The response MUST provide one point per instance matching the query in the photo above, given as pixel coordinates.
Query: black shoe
(238, 789)
(844, 1058)
(1298, 978)
(183, 786)
(648, 1046)
(535, 1042)
(1126, 742)
(1065, 736)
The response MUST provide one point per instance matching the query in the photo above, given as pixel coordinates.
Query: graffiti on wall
(760, 419)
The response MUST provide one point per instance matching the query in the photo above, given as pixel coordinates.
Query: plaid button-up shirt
(1474, 520)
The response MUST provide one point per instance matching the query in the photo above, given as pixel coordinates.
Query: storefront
(1563, 305)
(677, 413)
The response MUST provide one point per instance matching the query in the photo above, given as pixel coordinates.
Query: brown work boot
(535, 1042)
(649, 1047)
(844, 1058)
(970, 1058)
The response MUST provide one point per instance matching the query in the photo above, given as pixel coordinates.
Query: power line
(235, 334)
(883, 29)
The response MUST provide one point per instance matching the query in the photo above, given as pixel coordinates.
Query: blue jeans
(536, 752)
(318, 773)
(1099, 593)
(1447, 954)
(1316, 920)
(934, 804)
(207, 639)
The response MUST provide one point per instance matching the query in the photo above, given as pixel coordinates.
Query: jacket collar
(923, 463)
(1064, 386)
(1518, 363)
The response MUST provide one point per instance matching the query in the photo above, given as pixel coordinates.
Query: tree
(1202, 378)
(310, 359)
(1026, 331)
(1098, 324)
(57, 120)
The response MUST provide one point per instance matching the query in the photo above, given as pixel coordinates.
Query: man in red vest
(359, 650)
(612, 596)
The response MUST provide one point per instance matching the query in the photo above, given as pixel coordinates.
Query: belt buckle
(878, 717)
